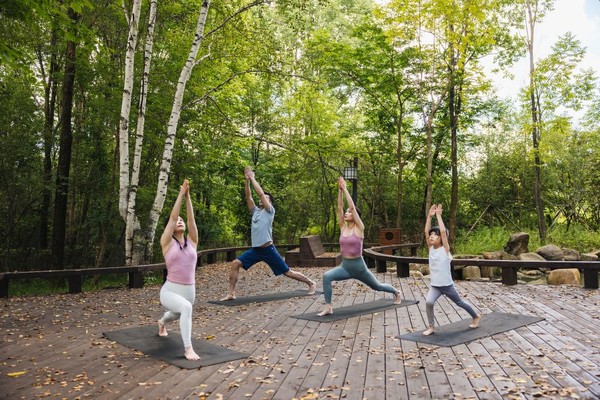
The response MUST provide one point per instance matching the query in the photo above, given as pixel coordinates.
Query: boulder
(569, 276)
(471, 272)
(588, 257)
(415, 274)
(531, 257)
(551, 252)
(423, 269)
(491, 272)
(498, 255)
(518, 243)
(571, 255)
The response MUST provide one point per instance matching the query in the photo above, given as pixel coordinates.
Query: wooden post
(136, 279)
(4, 287)
(402, 269)
(381, 266)
(231, 255)
(509, 276)
(210, 258)
(590, 278)
(75, 283)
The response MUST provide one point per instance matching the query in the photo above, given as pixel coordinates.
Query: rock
(569, 276)
(551, 252)
(491, 272)
(540, 281)
(415, 274)
(588, 257)
(498, 255)
(471, 272)
(571, 255)
(531, 257)
(518, 243)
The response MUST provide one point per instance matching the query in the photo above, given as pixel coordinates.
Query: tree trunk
(124, 182)
(64, 156)
(49, 110)
(535, 127)
(400, 161)
(133, 227)
(163, 177)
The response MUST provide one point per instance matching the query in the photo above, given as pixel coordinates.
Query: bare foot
(327, 311)
(312, 288)
(397, 298)
(190, 354)
(162, 330)
(475, 323)
(228, 297)
(428, 331)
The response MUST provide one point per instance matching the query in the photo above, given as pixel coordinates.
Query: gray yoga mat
(263, 298)
(170, 348)
(356, 310)
(459, 332)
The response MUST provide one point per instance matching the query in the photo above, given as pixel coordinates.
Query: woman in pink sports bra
(351, 244)
(178, 294)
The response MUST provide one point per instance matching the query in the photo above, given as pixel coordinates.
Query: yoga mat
(170, 348)
(356, 310)
(263, 298)
(459, 332)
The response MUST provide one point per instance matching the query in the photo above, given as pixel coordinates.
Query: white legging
(179, 300)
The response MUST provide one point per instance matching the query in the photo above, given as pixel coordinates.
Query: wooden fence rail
(376, 258)
(136, 273)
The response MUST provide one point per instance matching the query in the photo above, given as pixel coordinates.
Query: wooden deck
(52, 346)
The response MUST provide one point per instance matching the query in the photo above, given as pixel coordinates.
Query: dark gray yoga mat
(170, 348)
(264, 298)
(459, 332)
(356, 310)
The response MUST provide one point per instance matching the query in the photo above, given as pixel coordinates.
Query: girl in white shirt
(440, 269)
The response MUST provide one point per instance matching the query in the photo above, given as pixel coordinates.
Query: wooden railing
(136, 273)
(375, 257)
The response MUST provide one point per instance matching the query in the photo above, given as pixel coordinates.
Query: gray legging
(178, 300)
(450, 292)
(353, 268)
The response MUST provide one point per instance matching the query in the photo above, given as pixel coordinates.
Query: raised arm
(428, 216)
(259, 191)
(443, 235)
(340, 204)
(167, 234)
(351, 206)
(191, 221)
(247, 191)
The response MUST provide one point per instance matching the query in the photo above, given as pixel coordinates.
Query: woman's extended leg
(335, 274)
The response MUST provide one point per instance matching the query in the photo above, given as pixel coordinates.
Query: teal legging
(353, 268)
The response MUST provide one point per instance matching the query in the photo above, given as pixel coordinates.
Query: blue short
(267, 254)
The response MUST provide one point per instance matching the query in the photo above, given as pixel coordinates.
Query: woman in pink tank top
(178, 294)
(351, 244)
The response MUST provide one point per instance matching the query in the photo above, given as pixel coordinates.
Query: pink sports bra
(181, 263)
(351, 246)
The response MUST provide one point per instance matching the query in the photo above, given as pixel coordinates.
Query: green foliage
(484, 239)
(295, 89)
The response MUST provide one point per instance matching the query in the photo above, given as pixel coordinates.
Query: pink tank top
(181, 264)
(351, 246)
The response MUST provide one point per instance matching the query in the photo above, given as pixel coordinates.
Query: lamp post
(351, 174)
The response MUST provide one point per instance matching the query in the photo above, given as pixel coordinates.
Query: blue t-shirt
(262, 226)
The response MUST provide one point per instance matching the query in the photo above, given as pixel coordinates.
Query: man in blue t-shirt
(262, 240)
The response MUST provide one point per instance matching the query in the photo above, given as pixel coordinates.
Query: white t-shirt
(440, 269)
(262, 226)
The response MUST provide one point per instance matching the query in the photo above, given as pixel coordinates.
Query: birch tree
(132, 229)
(128, 81)
(167, 157)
